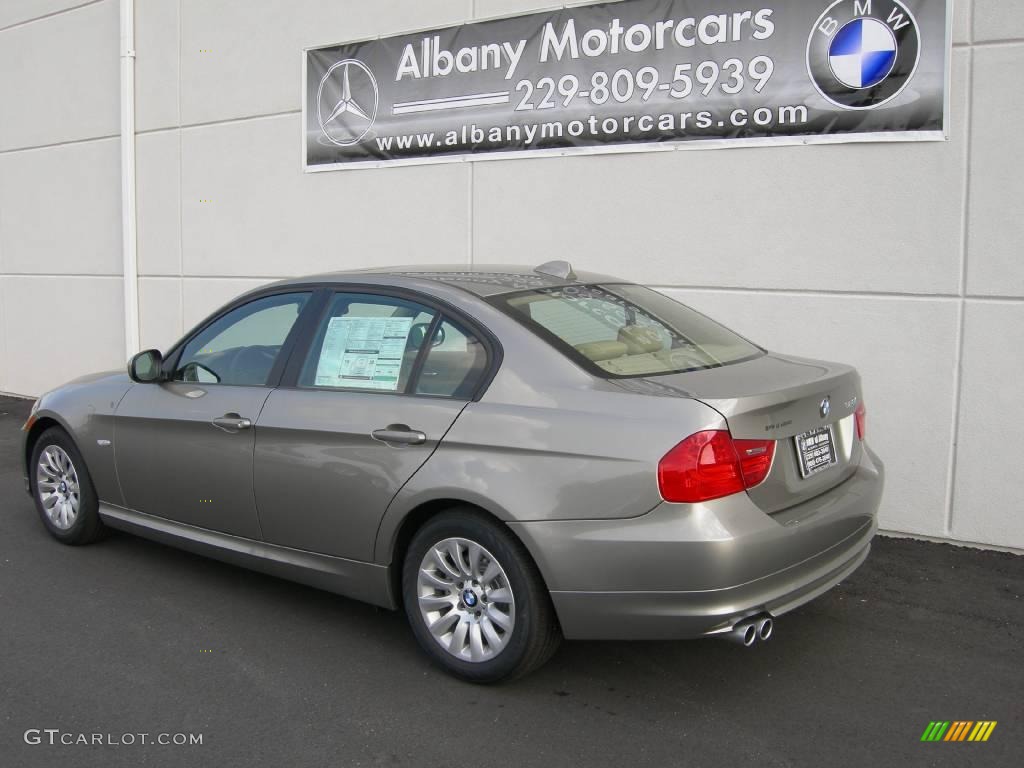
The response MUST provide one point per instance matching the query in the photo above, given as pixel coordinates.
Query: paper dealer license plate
(816, 450)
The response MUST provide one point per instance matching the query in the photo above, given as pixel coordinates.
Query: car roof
(480, 279)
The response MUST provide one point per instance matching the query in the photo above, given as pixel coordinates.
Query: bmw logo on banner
(863, 53)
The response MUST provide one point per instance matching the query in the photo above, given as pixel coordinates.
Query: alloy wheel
(57, 486)
(466, 600)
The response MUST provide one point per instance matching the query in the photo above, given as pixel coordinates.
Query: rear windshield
(626, 330)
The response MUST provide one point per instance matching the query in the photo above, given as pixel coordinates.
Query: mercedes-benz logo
(349, 91)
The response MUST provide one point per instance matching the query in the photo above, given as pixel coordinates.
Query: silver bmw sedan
(510, 455)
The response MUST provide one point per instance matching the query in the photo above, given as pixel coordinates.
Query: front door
(184, 447)
(383, 380)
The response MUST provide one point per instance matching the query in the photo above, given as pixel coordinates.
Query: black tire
(87, 526)
(535, 634)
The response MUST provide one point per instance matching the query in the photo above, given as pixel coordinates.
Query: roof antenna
(559, 269)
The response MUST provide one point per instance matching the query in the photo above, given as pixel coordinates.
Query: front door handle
(231, 422)
(399, 433)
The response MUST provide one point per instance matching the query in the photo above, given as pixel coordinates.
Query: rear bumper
(686, 571)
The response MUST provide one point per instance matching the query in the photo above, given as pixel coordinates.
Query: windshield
(627, 330)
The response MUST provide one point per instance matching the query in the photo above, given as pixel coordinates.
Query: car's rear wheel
(475, 600)
(63, 490)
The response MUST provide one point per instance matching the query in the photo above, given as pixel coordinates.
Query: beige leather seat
(640, 340)
(602, 350)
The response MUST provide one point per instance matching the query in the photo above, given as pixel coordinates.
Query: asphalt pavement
(128, 637)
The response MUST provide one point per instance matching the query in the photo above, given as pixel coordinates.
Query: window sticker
(363, 352)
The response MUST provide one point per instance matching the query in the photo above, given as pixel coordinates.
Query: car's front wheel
(475, 600)
(63, 490)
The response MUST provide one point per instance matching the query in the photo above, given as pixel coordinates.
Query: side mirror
(145, 367)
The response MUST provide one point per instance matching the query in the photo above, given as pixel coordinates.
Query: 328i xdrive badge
(863, 53)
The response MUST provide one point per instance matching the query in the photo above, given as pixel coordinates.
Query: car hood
(107, 381)
(107, 376)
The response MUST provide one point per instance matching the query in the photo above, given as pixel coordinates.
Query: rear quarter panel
(549, 442)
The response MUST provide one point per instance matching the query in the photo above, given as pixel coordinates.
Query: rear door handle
(399, 433)
(231, 422)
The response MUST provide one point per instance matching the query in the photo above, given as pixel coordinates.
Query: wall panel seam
(50, 15)
(243, 119)
(958, 350)
(181, 175)
(471, 235)
(1009, 41)
(3, 336)
(816, 292)
(58, 275)
(70, 143)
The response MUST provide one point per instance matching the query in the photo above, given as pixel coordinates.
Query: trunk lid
(778, 397)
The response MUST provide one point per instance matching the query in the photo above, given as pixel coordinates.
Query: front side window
(366, 341)
(242, 346)
(627, 330)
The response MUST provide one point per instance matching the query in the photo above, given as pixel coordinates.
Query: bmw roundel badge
(863, 53)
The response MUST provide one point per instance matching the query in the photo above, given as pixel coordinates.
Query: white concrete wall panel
(58, 328)
(157, 45)
(962, 28)
(248, 210)
(21, 11)
(987, 504)
(63, 76)
(998, 20)
(994, 263)
(242, 59)
(202, 296)
(882, 217)
(160, 308)
(158, 202)
(904, 351)
(5, 362)
(61, 209)
(487, 9)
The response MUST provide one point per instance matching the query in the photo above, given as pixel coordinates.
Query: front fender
(85, 409)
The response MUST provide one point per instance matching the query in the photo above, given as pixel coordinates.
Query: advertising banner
(630, 76)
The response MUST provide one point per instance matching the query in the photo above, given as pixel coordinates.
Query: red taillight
(755, 459)
(708, 465)
(860, 416)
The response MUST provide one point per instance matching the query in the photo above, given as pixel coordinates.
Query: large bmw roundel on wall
(863, 53)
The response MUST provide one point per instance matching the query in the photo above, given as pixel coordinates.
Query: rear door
(362, 407)
(184, 447)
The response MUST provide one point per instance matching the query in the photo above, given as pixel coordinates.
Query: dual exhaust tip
(749, 631)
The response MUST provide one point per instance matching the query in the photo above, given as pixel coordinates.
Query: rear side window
(367, 341)
(391, 344)
(627, 330)
(454, 364)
